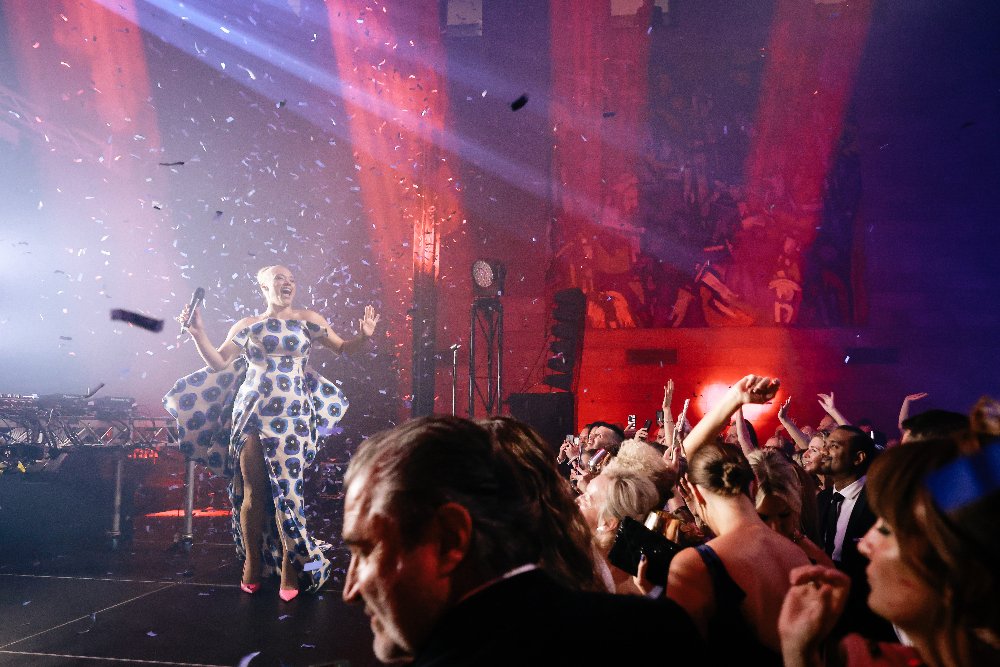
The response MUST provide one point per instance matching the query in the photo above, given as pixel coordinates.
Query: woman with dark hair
(934, 574)
(733, 585)
(565, 538)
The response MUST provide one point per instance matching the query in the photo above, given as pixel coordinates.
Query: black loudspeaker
(552, 415)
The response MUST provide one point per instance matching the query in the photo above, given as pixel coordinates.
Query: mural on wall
(738, 201)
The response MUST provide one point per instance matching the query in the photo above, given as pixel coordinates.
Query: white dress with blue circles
(268, 391)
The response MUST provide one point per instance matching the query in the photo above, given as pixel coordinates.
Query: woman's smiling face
(279, 285)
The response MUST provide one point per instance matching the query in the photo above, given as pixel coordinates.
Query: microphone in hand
(196, 300)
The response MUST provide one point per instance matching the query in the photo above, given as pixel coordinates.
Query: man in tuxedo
(844, 518)
(452, 546)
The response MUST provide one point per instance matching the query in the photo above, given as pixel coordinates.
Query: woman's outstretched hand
(668, 395)
(754, 389)
(783, 410)
(367, 323)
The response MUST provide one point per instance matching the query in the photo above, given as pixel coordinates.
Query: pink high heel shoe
(287, 596)
(249, 588)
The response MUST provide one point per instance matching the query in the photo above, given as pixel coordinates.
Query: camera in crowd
(635, 540)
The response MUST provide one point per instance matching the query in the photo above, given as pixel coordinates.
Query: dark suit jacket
(528, 619)
(857, 616)
(862, 519)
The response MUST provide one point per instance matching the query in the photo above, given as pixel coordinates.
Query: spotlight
(488, 277)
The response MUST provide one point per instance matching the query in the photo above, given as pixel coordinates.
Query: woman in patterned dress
(279, 411)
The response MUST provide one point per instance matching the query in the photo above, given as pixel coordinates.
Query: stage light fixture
(488, 276)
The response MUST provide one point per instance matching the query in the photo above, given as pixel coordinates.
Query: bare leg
(256, 489)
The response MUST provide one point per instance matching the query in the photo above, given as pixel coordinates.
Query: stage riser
(41, 513)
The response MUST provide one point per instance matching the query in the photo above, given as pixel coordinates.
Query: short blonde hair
(260, 274)
(646, 460)
(630, 494)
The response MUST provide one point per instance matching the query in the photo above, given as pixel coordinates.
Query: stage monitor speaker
(552, 415)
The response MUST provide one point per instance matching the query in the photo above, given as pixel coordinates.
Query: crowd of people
(473, 543)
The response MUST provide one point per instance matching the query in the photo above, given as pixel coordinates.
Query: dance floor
(67, 598)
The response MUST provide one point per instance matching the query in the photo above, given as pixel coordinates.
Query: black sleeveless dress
(730, 637)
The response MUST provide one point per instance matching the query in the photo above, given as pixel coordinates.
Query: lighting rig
(486, 331)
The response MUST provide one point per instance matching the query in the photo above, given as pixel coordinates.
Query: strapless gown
(268, 391)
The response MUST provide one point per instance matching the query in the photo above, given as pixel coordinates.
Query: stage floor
(147, 604)
(72, 601)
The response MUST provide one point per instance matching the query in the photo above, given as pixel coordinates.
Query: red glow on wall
(389, 63)
(813, 54)
(712, 393)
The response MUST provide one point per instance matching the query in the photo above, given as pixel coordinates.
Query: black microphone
(196, 300)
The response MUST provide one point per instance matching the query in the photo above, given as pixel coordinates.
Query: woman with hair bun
(733, 585)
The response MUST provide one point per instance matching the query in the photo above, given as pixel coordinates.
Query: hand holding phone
(568, 449)
(634, 540)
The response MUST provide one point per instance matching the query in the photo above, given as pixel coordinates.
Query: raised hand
(756, 390)
(679, 427)
(783, 410)
(367, 323)
(642, 434)
(798, 435)
(668, 395)
(904, 411)
(751, 389)
(826, 402)
(811, 608)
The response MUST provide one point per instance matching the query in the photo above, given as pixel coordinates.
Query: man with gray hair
(446, 534)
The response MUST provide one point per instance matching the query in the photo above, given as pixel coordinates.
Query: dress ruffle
(270, 392)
